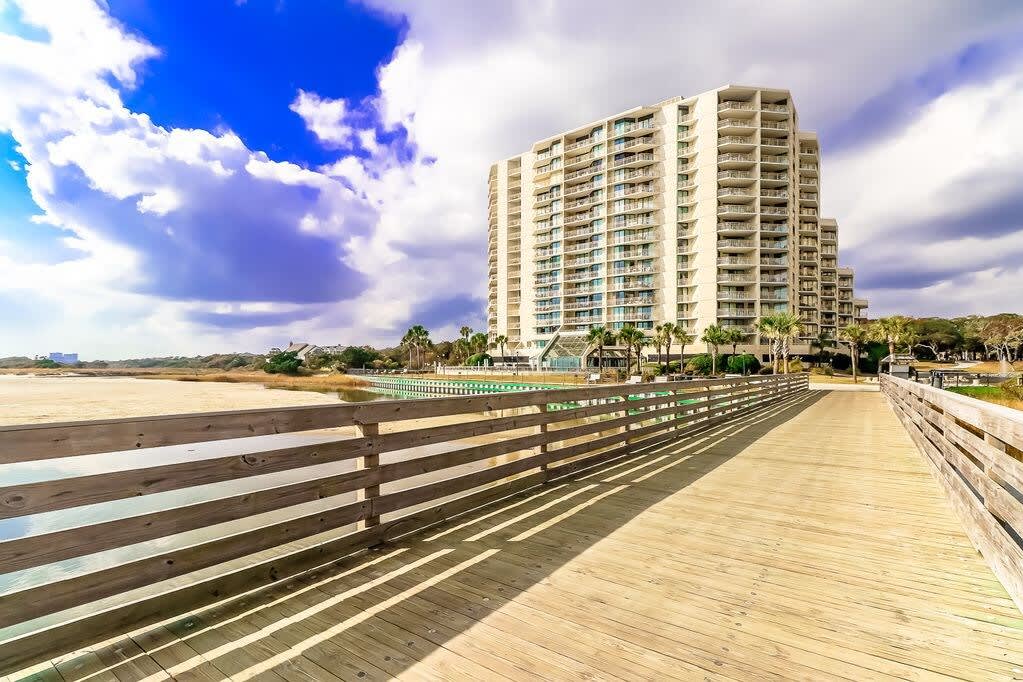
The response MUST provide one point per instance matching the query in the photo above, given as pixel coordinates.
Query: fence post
(541, 449)
(369, 461)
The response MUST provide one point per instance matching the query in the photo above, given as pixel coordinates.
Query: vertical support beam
(542, 448)
(370, 461)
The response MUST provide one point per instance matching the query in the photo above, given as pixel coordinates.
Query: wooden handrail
(975, 451)
(588, 425)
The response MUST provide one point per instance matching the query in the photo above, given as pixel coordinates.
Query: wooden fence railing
(975, 450)
(588, 425)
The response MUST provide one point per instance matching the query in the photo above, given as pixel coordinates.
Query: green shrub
(795, 365)
(47, 363)
(743, 364)
(766, 370)
(479, 359)
(674, 367)
(699, 364)
(284, 362)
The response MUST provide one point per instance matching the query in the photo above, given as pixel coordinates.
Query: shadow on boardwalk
(455, 601)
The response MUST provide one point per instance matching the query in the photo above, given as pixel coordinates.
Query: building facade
(697, 210)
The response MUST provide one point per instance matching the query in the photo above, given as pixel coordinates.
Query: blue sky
(186, 177)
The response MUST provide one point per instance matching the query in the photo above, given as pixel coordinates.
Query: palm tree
(714, 336)
(822, 341)
(500, 340)
(682, 335)
(416, 339)
(478, 343)
(768, 328)
(668, 330)
(627, 336)
(600, 336)
(855, 335)
(662, 337)
(638, 343)
(788, 326)
(891, 330)
(466, 332)
(735, 337)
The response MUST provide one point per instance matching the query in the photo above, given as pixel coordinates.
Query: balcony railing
(735, 243)
(634, 158)
(723, 158)
(629, 126)
(774, 193)
(735, 208)
(737, 225)
(595, 168)
(736, 139)
(774, 210)
(779, 108)
(734, 175)
(634, 239)
(736, 123)
(735, 104)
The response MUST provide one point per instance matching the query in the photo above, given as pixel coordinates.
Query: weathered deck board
(808, 541)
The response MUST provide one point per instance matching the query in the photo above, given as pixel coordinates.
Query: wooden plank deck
(808, 541)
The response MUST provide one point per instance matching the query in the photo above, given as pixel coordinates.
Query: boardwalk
(807, 540)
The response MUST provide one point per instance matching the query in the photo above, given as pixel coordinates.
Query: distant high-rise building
(697, 210)
(64, 358)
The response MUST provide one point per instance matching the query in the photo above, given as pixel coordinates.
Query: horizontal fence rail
(975, 450)
(532, 438)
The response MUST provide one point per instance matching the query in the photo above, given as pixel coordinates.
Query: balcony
(595, 168)
(736, 244)
(774, 161)
(736, 312)
(632, 301)
(582, 276)
(585, 201)
(774, 193)
(579, 262)
(736, 142)
(775, 108)
(636, 190)
(584, 216)
(733, 261)
(735, 209)
(775, 142)
(583, 232)
(632, 286)
(584, 305)
(775, 228)
(774, 278)
(645, 142)
(576, 190)
(773, 210)
(735, 160)
(735, 125)
(628, 317)
(735, 296)
(633, 126)
(774, 244)
(633, 221)
(774, 262)
(634, 160)
(584, 142)
(642, 238)
(735, 105)
(744, 177)
(574, 162)
(736, 226)
(737, 192)
(633, 269)
(622, 206)
(581, 247)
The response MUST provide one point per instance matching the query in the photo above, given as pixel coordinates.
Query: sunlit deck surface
(807, 541)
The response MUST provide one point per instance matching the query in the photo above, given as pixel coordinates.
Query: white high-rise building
(697, 210)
